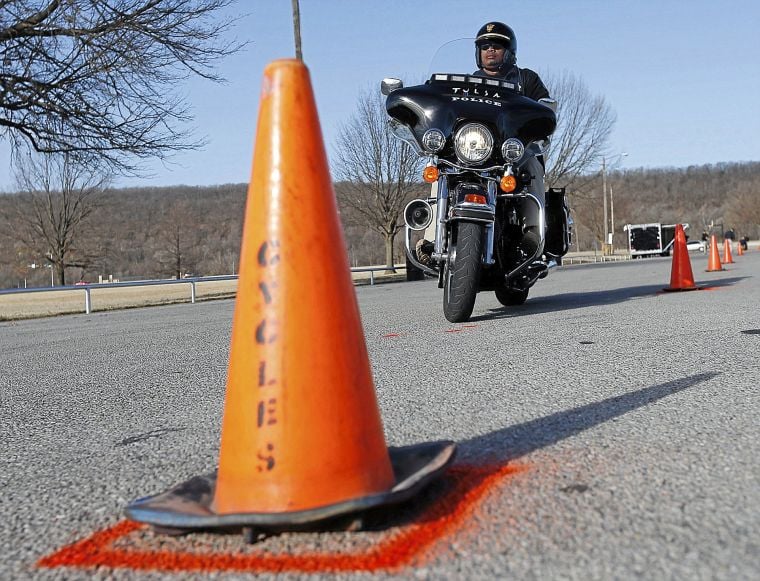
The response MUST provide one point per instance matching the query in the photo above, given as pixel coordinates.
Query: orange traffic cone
(740, 249)
(302, 439)
(727, 252)
(681, 277)
(713, 262)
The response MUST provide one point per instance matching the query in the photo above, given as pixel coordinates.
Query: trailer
(654, 239)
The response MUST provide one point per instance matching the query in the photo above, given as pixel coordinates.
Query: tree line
(164, 232)
(710, 198)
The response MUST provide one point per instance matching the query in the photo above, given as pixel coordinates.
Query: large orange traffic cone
(713, 262)
(727, 252)
(302, 439)
(681, 277)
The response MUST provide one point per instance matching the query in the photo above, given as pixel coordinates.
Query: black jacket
(527, 81)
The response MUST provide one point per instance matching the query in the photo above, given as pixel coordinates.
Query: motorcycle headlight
(473, 143)
(512, 149)
(433, 140)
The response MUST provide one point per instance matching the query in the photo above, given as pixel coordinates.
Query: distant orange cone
(302, 438)
(727, 252)
(740, 249)
(681, 277)
(713, 262)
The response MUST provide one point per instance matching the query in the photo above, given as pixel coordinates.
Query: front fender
(471, 212)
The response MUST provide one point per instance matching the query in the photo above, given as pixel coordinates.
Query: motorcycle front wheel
(462, 272)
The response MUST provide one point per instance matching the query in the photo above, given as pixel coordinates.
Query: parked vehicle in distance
(651, 239)
(694, 245)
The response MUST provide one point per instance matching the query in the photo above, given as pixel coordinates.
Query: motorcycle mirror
(551, 103)
(388, 85)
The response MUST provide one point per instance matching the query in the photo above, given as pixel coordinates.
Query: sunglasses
(492, 45)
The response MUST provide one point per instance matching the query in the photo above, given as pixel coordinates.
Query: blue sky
(682, 77)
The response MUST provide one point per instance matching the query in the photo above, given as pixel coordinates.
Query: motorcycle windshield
(453, 95)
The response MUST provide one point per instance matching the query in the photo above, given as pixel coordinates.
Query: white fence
(86, 288)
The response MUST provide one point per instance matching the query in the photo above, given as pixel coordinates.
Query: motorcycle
(492, 224)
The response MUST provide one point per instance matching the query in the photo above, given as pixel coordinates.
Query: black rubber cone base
(187, 506)
(679, 290)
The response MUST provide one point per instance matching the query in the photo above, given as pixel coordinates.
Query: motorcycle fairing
(441, 104)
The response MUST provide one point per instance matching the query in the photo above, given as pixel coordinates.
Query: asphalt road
(633, 415)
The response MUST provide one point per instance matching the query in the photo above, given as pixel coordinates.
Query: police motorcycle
(490, 222)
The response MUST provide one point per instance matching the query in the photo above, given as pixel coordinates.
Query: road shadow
(510, 443)
(494, 451)
(721, 283)
(581, 300)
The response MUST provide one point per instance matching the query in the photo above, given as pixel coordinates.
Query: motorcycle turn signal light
(508, 184)
(475, 198)
(430, 174)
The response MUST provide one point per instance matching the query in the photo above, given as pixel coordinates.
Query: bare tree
(177, 236)
(58, 197)
(101, 76)
(743, 211)
(584, 125)
(588, 215)
(380, 173)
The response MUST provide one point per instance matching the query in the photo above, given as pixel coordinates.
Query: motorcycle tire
(463, 273)
(510, 297)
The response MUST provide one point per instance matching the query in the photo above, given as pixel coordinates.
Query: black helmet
(497, 32)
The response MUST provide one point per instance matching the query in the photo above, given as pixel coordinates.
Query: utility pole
(297, 29)
(604, 198)
(612, 217)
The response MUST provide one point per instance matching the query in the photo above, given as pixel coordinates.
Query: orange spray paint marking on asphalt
(460, 329)
(407, 545)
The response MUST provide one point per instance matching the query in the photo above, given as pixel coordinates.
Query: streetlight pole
(609, 223)
(52, 269)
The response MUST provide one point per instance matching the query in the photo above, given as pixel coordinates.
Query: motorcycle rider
(496, 56)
